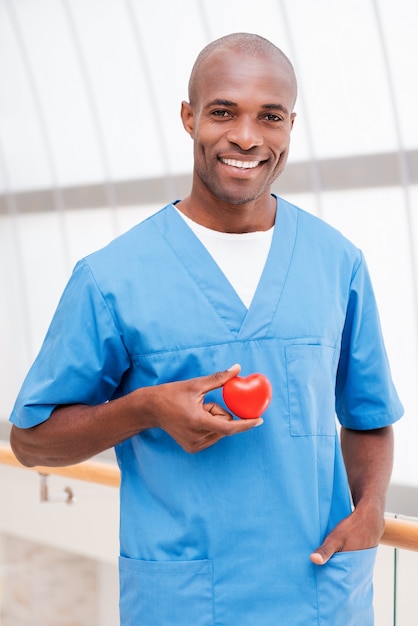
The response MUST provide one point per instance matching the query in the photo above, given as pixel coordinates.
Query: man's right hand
(180, 410)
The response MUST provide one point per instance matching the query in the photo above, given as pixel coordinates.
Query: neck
(256, 215)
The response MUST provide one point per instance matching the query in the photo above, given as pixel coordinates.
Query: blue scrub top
(223, 537)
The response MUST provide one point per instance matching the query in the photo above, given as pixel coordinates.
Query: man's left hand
(359, 531)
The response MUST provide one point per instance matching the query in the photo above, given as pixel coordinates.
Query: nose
(245, 133)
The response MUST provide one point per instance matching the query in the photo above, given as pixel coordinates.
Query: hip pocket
(169, 593)
(345, 588)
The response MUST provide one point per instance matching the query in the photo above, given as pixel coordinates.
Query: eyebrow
(270, 106)
(222, 103)
(275, 107)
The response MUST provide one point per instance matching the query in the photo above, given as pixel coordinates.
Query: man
(221, 522)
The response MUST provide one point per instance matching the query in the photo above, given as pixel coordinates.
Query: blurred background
(91, 143)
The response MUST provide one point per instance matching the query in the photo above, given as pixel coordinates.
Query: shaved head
(245, 43)
(242, 92)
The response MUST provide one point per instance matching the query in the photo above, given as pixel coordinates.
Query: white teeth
(241, 164)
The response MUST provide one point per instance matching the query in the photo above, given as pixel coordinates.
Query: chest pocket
(311, 371)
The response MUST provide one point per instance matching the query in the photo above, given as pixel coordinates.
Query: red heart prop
(248, 397)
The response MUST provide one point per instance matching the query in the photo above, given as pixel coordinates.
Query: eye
(272, 117)
(221, 113)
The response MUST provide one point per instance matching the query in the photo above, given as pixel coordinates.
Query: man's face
(240, 122)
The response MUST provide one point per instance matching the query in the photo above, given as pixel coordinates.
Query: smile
(244, 165)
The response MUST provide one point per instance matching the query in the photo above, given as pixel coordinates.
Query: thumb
(318, 558)
(323, 554)
(218, 379)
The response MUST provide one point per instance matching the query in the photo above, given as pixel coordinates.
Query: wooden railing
(98, 472)
(399, 533)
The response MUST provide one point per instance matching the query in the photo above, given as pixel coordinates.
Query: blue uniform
(223, 537)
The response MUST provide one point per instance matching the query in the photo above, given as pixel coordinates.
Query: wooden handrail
(91, 471)
(399, 533)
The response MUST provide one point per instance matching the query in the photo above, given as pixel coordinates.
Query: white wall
(90, 92)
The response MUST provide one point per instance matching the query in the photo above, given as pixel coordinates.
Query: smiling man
(222, 522)
(240, 116)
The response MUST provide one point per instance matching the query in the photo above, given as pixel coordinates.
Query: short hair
(248, 43)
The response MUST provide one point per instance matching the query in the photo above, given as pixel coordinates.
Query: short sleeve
(82, 359)
(365, 394)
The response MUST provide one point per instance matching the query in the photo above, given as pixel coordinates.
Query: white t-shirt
(241, 257)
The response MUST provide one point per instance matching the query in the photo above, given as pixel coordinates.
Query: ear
(292, 120)
(187, 117)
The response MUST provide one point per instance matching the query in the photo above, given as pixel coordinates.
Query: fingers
(204, 439)
(218, 379)
(213, 425)
(233, 427)
(221, 422)
(192, 446)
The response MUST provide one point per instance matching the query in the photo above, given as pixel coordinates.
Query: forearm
(368, 456)
(75, 433)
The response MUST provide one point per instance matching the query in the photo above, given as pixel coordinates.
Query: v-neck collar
(243, 323)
